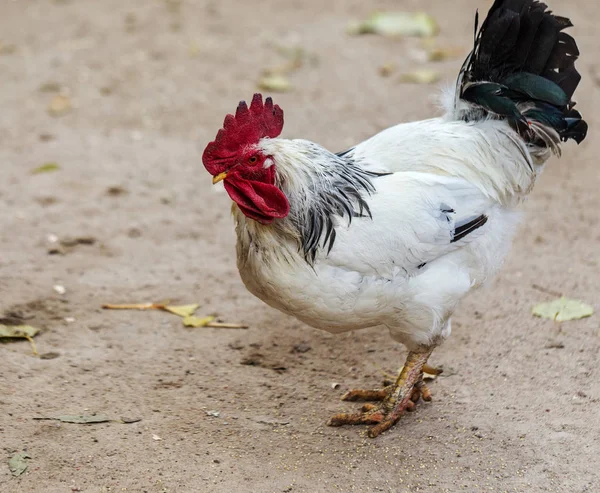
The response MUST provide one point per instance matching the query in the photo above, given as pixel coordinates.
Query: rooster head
(236, 158)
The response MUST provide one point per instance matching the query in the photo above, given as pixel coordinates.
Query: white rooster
(398, 229)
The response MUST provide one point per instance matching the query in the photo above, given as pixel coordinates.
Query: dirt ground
(150, 82)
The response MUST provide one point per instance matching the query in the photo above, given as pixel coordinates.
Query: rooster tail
(522, 69)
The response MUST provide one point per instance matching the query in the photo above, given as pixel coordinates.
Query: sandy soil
(150, 81)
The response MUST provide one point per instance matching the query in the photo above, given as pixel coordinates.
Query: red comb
(248, 126)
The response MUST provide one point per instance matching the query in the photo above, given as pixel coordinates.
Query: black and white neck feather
(324, 190)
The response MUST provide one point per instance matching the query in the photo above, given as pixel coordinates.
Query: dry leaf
(395, 24)
(282, 69)
(183, 310)
(563, 309)
(79, 419)
(134, 306)
(20, 332)
(387, 69)
(7, 49)
(50, 87)
(441, 54)
(421, 76)
(291, 52)
(275, 83)
(46, 168)
(18, 463)
(59, 105)
(194, 49)
(197, 321)
(226, 325)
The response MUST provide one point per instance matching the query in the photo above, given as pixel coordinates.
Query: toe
(366, 395)
(432, 370)
(367, 418)
(386, 424)
(424, 391)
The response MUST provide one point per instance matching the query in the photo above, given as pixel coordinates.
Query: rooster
(396, 230)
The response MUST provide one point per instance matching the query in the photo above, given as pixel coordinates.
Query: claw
(368, 407)
(424, 391)
(416, 394)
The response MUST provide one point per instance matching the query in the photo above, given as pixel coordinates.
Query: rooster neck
(323, 189)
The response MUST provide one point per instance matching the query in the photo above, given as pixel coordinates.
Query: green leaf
(18, 463)
(395, 24)
(18, 331)
(183, 310)
(197, 321)
(563, 309)
(46, 168)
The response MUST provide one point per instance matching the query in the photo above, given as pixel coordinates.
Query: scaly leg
(395, 399)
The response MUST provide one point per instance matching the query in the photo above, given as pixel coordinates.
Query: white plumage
(397, 230)
(372, 276)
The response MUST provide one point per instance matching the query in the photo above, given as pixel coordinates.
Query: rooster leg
(395, 399)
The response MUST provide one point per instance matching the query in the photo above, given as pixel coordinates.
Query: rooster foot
(420, 391)
(394, 399)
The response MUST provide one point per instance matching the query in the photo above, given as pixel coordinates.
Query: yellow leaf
(421, 76)
(133, 306)
(563, 309)
(183, 310)
(226, 325)
(46, 168)
(395, 24)
(194, 49)
(387, 69)
(7, 49)
(441, 54)
(275, 83)
(59, 105)
(196, 322)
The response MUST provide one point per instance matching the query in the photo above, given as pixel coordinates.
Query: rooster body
(397, 230)
(408, 277)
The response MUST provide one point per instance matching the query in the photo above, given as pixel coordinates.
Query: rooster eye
(253, 160)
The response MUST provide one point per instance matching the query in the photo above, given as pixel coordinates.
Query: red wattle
(258, 200)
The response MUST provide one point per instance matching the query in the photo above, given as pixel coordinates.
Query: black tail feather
(522, 68)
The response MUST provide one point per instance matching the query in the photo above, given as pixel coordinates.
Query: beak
(219, 177)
